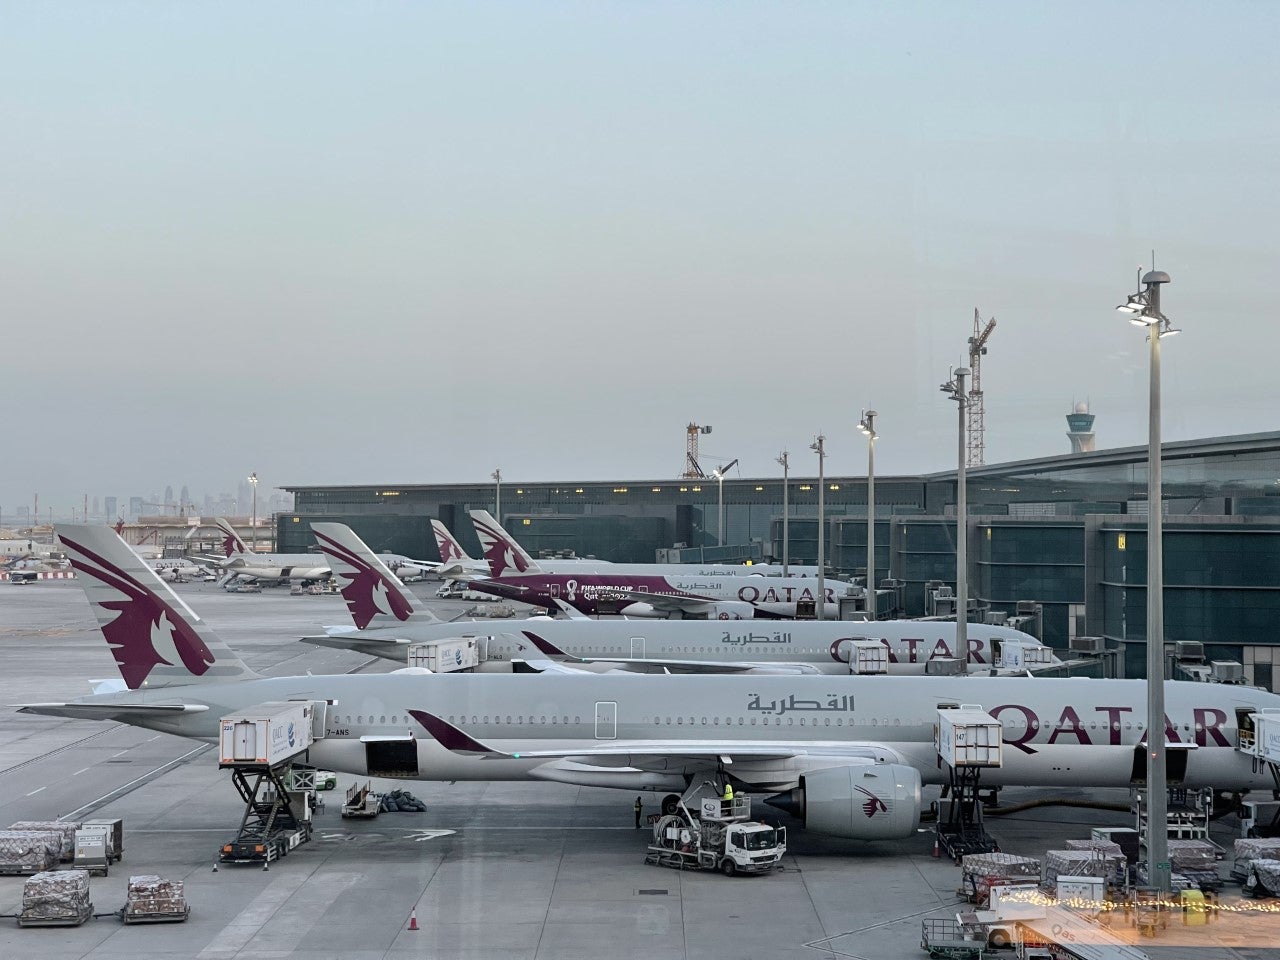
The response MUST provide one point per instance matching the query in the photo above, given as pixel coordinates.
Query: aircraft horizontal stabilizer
(109, 711)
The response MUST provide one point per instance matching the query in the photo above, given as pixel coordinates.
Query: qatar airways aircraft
(455, 563)
(648, 594)
(240, 561)
(387, 619)
(848, 755)
(505, 557)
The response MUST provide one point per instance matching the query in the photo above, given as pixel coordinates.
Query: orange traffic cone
(413, 919)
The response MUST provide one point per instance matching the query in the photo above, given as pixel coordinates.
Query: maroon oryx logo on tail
(369, 594)
(873, 805)
(147, 631)
(497, 551)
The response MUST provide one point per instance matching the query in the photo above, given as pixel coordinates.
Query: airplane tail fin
(157, 640)
(375, 596)
(450, 549)
(232, 543)
(505, 556)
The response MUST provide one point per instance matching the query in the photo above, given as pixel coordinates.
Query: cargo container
(868, 657)
(1267, 725)
(115, 835)
(267, 734)
(968, 737)
(445, 656)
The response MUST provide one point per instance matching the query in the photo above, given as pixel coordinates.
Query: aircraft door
(555, 589)
(637, 648)
(606, 720)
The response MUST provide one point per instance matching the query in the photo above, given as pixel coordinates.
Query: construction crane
(975, 454)
(693, 469)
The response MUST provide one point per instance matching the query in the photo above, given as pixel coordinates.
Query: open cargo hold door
(391, 757)
(1175, 759)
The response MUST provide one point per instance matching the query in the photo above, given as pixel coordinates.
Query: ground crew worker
(728, 790)
(639, 807)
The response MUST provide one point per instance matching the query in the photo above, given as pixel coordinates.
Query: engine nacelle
(858, 801)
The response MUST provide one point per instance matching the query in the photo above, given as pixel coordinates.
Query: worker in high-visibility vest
(639, 807)
(728, 790)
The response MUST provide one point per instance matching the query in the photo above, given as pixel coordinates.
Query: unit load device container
(268, 734)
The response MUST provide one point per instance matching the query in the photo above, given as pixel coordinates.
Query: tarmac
(527, 871)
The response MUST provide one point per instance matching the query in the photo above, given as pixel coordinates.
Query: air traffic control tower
(1080, 428)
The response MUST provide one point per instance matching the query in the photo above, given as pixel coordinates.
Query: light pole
(956, 389)
(785, 462)
(253, 485)
(820, 447)
(868, 426)
(496, 477)
(1143, 310)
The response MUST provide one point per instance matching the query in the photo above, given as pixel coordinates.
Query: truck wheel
(670, 803)
(728, 867)
(999, 939)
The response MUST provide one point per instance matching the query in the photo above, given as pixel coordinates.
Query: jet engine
(859, 801)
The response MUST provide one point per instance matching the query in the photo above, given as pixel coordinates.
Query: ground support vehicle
(720, 836)
(945, 937)
(361, 802)
(259, 746)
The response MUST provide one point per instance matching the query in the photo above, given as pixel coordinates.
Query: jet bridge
(968, 740)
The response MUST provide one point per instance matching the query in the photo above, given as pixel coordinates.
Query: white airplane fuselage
(822, 645)
(1070, 733)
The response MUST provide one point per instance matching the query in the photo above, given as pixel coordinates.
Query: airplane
(506, 557)
(177, 568)
(388, 618)
(455, 563)
(847, 755)
(239, 561)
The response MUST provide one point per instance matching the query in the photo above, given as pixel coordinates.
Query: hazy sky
(410, 242)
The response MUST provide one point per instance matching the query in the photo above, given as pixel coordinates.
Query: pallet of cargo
(75, 919)
(56, 899)
(124, 914)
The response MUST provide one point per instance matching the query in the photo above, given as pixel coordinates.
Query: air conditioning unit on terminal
(1090, 645)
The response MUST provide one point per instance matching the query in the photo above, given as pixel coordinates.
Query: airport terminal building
(1067, 532)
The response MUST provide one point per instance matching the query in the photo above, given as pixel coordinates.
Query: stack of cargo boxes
(27, 852)
(65, 829)
(58, 898)
(979, 872)
(1250, 849)
(153, 898)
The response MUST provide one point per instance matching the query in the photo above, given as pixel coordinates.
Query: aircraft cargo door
(606, 720)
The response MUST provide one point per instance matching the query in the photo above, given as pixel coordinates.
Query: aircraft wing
(664, 665)
(356, 641)
(110, 711)
(655, 665)
(619, 753)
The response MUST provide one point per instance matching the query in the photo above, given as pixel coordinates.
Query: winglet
(451, 738)
(546, 647)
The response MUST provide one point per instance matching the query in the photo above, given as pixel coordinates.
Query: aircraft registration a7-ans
(847, 754)
(387, 619)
